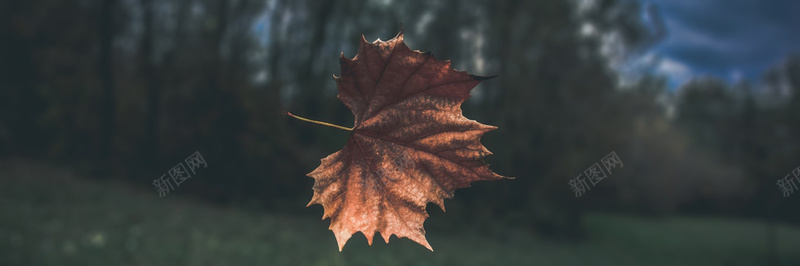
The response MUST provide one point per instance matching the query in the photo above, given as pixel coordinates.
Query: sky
(728, 39)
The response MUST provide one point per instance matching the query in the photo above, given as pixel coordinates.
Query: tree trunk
(151, 152)
(106, 75)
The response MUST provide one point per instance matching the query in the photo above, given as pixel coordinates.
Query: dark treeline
(129, 88)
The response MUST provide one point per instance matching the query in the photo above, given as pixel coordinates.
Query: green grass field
(49, 216)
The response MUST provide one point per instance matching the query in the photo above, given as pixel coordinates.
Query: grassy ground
(50, 217)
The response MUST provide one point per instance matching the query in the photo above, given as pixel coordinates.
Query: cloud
(717, 37)
(677, 72)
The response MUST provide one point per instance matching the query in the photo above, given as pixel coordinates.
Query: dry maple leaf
(410, 144)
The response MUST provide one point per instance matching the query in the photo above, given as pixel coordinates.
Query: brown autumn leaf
(410, 144)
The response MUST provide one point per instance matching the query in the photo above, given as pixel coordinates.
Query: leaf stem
(317, 122)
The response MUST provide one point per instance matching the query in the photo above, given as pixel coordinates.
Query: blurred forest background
(122, 90)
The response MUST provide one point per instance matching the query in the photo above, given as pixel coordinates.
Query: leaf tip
(369, 237)
(482, 78)
(426, 245)
(314, 201)
(341, 238)
(399, 36)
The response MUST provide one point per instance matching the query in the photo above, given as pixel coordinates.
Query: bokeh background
(699, 99)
